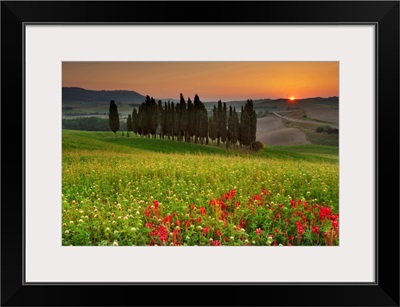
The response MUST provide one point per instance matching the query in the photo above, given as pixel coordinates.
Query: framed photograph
(239, 147)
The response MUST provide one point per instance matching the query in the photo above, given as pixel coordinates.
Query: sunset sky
(210, 80)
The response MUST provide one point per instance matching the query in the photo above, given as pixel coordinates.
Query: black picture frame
(383, 14)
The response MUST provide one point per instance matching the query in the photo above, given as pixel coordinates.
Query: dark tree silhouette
(113, 117)
(203, 126)
(183, 118)
(222, 124)
(245, 134)
(160, 119)
(249, 108)
(164, 122)
(135, 121)
(172, 120)
(234, 128)
(212, 129)
(142, 120)
(191, 123)
(218, 121)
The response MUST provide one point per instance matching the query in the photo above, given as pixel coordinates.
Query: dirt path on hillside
(272, 131)
(305, 121)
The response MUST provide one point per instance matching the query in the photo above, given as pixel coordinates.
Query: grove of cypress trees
(186, 120)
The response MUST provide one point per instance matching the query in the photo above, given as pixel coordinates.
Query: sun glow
(291, 98)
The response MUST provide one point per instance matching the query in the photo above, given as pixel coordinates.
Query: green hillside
(106, 141)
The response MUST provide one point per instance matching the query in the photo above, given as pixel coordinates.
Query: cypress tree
(164, 121)
(160, 118)
(135, 121)
(204, 126)
(249, 107)
(169, 120)
(142, 120)
(245, 135)
(230, 123)
(240, 128)
(183, 118)
(177, 122)
(223, 122)
(190, 116)
(113, 117)
(211, 129)
(197, 117)
(154, 117)
(218, 120)
(234, 127)
(172, 111)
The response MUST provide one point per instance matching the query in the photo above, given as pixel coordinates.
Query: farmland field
(122, 191)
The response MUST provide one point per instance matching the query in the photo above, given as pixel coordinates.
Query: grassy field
(140, 191)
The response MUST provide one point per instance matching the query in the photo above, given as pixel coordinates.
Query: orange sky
(210, 80)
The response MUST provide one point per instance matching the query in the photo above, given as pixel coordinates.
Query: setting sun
(291, 98)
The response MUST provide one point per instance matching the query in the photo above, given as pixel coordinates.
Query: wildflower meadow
(126, 192)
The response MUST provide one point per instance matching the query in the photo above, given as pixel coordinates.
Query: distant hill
(329, 100)
(77, 95)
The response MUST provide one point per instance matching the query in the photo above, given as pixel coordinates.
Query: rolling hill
(77, 95)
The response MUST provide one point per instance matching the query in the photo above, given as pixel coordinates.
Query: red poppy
(216, 243)
(203, 211)
(167, 219)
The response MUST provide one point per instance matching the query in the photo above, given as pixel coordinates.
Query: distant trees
(92, 123)
(113, 117)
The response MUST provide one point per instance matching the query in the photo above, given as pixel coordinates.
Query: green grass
(105, 141)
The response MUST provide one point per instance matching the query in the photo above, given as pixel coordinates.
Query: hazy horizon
(212, 81)
(205, 101)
